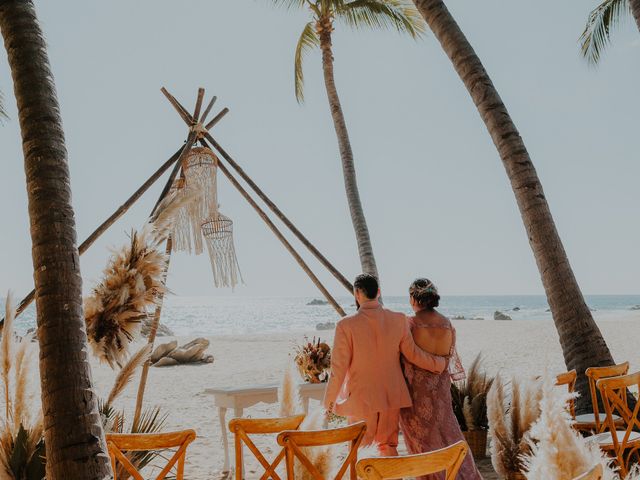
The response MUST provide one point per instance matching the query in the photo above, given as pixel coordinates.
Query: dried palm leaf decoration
(218, 234)
(199, 170)
(117, 306)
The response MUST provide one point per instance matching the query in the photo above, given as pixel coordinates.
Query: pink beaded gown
(430, 423)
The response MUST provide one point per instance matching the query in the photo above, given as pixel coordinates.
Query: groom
(366, 382)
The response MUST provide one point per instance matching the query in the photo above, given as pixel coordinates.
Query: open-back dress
(430, 423)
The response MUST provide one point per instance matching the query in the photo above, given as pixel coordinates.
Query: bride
(430, 423)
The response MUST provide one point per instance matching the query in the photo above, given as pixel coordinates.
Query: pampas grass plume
(557, 451)
(290, 403)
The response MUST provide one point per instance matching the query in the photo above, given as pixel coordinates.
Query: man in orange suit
(366, 382)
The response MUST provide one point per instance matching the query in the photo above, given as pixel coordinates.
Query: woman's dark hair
(424, 293)
(368, 284)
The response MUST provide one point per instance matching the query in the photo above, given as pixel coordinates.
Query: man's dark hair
(367, 284)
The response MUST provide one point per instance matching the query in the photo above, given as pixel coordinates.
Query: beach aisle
(523, 348)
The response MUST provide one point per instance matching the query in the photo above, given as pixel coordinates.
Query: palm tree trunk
(365, 250)
(635, 10)
(582, 343)
(74, 438)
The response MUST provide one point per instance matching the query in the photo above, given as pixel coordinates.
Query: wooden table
(244, 397)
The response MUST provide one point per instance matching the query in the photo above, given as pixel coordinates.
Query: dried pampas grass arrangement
(21, 429)
(132, 284)
(469, 398)
(557, 451)
(510, 419)
(290, 404)
(323, 458)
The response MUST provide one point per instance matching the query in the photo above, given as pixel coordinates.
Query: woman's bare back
(432, 333)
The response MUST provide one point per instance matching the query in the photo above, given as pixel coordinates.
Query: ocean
(232, 315)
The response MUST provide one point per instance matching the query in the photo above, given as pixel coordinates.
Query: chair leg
(238, 454)
(180, 473)
(289, 462)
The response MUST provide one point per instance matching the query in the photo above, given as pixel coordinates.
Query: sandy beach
(512, 348)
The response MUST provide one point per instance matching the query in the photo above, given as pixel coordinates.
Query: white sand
(513, 348)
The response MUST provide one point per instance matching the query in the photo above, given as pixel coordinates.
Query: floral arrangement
(313, 360)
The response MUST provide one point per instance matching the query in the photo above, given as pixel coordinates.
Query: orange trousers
(382, 430)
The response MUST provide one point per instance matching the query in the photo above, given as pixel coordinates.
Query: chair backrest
(119, 443)
(594, 474)
(596, 373)
(569, 379)
(447, 460)
(243, 427)
(614, 397)
(296, 442)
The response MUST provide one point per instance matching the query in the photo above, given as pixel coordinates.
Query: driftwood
(169, 354)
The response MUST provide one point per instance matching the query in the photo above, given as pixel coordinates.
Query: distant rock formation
(498, 315)
(516, 309)
(317, 301)
(458, 317)
(325, 326)
(163, 330)
(635, 307)
(169, 354)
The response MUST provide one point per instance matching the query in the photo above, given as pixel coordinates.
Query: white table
(240, 398)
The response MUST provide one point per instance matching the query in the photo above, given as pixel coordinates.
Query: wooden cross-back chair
(595, 421)
(243, 427)
(119, 443)
(295, 442)
(594, 474)
(568, 379)
(621, 442)
(448, 459)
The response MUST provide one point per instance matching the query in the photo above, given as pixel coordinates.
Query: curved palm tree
(397, 14)
(582, 343)
(74, 438)
(602, 20)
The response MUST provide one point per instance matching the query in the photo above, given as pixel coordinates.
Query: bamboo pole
(84, 246)
(280, 237)
(152, 337)
(158, 312)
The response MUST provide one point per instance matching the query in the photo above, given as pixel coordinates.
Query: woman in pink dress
(430, 424)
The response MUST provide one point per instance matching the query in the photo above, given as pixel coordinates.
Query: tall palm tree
(602, 20)
(398, 14)
(75, 443)
(582, 343)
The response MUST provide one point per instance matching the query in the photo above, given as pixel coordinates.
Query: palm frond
(3, 113)
(289, 4)
(380, 14)
(597, 33)
(308, 41)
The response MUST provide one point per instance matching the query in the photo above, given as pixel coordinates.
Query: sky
(434, 191)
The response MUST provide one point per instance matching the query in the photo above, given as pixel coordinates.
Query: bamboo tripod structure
(196, 126)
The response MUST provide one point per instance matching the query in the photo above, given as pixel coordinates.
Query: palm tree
(75, 443)
(602, 20)
(582, 343)
(398, 14)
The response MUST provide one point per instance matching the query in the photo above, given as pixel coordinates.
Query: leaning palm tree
(398, 14)
(602, 20)
(74, 438)
(582, 343)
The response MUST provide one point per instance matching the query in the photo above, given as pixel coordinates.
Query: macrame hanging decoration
(199, 172)
(218, 234)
